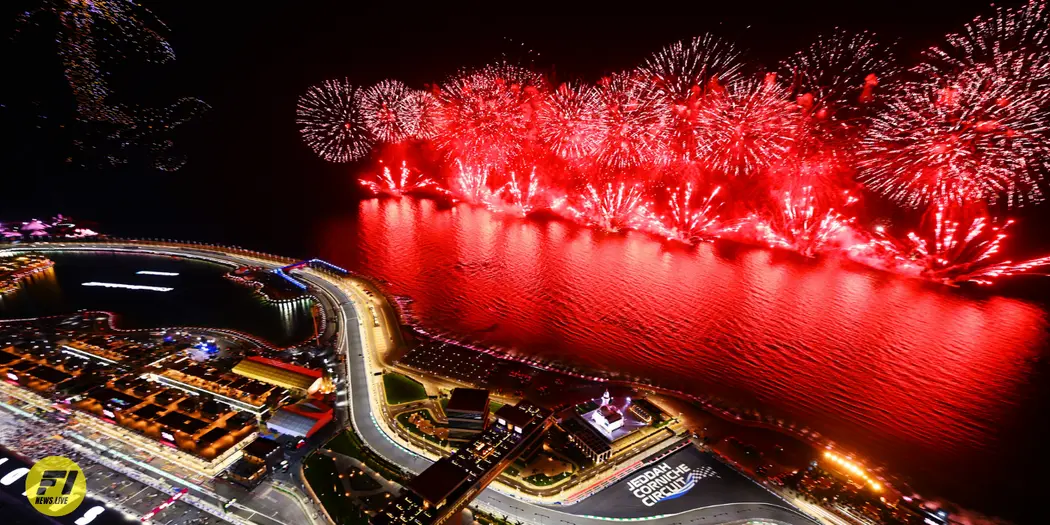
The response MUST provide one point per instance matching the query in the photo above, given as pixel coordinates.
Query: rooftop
(261, 448)
(469, 400)
(514, 416)
(439, 481)
(278, 373)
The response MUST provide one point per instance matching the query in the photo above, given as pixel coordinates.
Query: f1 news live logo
(55, 486)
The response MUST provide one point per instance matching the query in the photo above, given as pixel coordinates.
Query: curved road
(352, 337)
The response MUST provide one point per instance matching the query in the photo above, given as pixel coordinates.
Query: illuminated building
(444, 488)
(587, 440)
(237, 391)
(296, 378)
(301, 419)
(468, 414)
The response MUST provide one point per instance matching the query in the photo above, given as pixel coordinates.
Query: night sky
(251, 63)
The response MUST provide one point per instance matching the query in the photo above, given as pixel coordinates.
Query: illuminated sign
(664, 482)
(167, 436)
(108, 413)
(12, 377)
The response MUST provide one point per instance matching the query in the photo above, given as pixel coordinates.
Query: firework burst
(684, 73)
(975, 136)
(839, 71)
(485, 117)
(330, 121)
(747, 127)
(390, 112)
(568, 122)
(425, 107)
(632, 124)
(1013, 43)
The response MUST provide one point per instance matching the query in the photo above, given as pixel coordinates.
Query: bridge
(319, 264)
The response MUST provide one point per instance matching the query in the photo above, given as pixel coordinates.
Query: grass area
(349, 444)
(511, 471)
(324, 480)
(494, 406)
(361, 481)
(543, 480)
(402, 389)
(403, 419)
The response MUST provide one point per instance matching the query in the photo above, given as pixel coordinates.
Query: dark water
(200, 296)
(945, 386)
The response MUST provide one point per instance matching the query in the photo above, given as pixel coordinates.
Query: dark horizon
(250, 66)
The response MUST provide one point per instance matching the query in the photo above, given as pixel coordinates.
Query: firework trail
(471, 184)
(632, 124)
(617, 206)
(390, 111)
(331, 123)
(568, 122)
(973, 136)
(955, 247)
(747, 127)
(687, 223)
(524, 195)
(802, 224)
(406, 182)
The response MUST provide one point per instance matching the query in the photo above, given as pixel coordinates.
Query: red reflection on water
(897, 368)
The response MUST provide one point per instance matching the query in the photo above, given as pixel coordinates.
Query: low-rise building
(296, 378)
(301, 419)
(596, 447)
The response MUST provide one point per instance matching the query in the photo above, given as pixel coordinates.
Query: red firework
(471, 184)
(568, 122)
(425, 107)
(1013, 43)
(406, 182)
(684, 222)
(613, 207)
(839, 71)
(485, 117)
(747, 127)
(388, 111)
(954, 248)
(683, 74)
(525, 195)
(632, 124)
(802, 224)
(975, 136)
